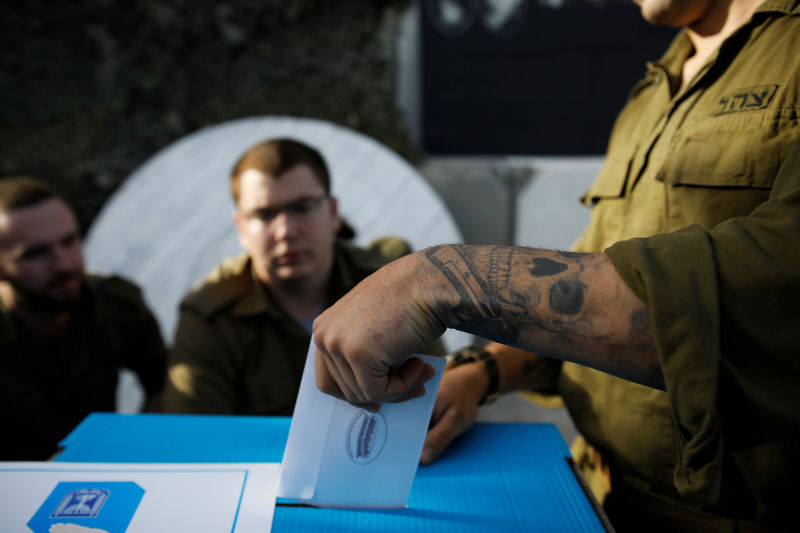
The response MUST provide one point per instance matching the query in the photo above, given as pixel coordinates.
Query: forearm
(572, 307)
(523, 370)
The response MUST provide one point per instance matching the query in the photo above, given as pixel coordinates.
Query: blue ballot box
(498, 477)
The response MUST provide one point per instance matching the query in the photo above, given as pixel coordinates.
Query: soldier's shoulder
(378, 252)
(115, 298)
(222, 287)
(390, 247)
(113, 286)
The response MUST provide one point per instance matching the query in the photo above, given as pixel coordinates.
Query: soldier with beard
(64, 333)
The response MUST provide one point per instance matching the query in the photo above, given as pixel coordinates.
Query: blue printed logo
(98, 505)
(82, 502)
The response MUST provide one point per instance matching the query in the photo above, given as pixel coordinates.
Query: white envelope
(339, 455)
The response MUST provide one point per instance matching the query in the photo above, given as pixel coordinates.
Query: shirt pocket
(610, 181)
(738, 151)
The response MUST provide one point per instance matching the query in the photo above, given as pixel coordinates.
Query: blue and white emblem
(92, 505)
(81, 503)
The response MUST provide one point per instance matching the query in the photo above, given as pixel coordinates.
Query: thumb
(439, 437)
(408, 378)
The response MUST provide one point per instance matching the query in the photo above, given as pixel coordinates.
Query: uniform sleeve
(724, 305)
(200, 378)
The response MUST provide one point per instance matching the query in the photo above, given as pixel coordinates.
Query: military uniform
(46, 389)
(237, 351)
(699, 159)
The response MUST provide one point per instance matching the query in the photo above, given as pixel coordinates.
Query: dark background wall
(89, 89)
(546, 77)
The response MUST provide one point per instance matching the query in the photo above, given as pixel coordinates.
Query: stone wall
(90, 89)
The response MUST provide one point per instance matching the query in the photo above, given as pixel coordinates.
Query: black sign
(544, 77)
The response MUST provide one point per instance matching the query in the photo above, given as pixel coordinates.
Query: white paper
(206, 497)
(339, 455)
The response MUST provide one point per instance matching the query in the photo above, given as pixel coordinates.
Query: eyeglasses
(300, 209)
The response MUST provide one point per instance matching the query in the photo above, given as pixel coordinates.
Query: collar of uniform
(672, 60)
(781, 6)
(257, 299)
(92, 296)
(341, 277)
(681, 47)
(729, 49)
(351, 264)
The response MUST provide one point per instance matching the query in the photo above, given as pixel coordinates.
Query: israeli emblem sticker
(81, 503)
(88, 506)
(366, 437)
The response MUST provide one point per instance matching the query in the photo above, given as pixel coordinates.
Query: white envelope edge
(299, 474)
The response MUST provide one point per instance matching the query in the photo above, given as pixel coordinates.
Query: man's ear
(239, 222)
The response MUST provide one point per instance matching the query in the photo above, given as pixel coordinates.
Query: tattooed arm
(569, 306)
(566, 305)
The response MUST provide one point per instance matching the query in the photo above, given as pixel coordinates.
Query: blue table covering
(498, 477)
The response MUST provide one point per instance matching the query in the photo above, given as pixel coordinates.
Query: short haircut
(274, 157)
(17, 192)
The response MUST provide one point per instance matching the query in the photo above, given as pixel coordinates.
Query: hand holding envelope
(342, 455)
(405, 382)
(364, 338)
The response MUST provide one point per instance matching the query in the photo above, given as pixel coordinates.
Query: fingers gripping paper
(339, 455)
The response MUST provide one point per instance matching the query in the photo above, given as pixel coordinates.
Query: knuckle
(456, 415)
(370, 397)
(438, 442)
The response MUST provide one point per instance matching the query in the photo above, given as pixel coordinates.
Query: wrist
(441, 270)
(489, 370)
(415, 287)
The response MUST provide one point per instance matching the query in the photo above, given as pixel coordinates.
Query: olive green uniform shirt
(46, 389)
(237, 351)
(706, 158)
